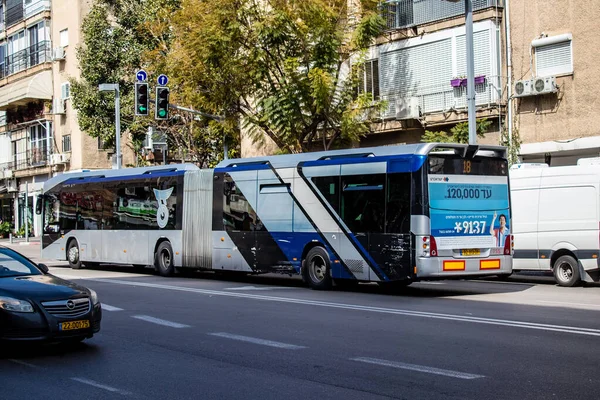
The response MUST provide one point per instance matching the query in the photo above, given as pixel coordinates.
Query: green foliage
(459, 133)
(282, 70)
(513, 144)
(5, 228)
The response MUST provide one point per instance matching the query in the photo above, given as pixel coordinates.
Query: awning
(36, 87)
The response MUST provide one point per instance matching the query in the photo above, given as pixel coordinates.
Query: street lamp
(470, 68)
(110, 87)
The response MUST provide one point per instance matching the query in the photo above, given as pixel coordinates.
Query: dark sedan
(35, 305)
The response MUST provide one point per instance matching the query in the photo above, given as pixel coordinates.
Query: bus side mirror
(39, 204)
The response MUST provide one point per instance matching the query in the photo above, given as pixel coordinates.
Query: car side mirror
(44, 268)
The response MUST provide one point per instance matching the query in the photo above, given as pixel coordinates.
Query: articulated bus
(395, 214)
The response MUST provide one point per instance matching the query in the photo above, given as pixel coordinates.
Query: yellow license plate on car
(470, 252)
(72, 325)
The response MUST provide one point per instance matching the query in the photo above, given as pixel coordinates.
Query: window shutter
(554, 59)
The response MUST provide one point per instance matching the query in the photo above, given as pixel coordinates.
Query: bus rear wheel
(566, 271)
(73, 255)
(163, 259)
(317, 269)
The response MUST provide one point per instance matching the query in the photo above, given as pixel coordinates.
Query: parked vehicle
(556, 219)
(35, 305)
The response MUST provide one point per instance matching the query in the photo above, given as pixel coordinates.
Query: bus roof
(292, 160)
(112, 173)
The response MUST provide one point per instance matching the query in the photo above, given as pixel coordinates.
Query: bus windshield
(469, 199)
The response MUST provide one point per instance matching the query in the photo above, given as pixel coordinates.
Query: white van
(556, 220)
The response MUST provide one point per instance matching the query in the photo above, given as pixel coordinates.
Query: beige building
(554, 46)
(39, 133)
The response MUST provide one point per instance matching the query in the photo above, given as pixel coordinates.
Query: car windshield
(13, 264)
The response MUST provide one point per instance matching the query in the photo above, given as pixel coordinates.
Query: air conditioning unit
(58, 54)
(58, 106)
(59, 158)
(11, 185)
(408, 108)
(544, 85)
(523, 88)
(7, 173)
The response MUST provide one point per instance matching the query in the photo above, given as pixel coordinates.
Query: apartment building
(418, 67)
(39, 133)
(556, 85)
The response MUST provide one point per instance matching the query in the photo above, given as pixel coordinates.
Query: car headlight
(94, 297)
(15, 305)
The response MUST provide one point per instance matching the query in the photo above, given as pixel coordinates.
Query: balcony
(28, 159)
(408, 13)
(443, 98)
(38, 53)
(17, 10)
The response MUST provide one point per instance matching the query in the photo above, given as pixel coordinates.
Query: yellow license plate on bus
(72, 325)
(470, 252)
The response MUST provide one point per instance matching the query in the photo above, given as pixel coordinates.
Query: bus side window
(398, 203)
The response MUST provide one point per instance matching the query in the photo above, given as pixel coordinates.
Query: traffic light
(141, 98)
(162, 103)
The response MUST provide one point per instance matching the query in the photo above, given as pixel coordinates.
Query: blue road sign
(141, 75)
(162, 80)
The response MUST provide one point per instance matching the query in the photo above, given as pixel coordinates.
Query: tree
(459, 133)
(280, 67)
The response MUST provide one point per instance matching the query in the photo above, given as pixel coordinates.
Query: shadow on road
(29, 351)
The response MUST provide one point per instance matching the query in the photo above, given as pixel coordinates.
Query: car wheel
(566, 271)
(73, 255)
(163, 259)
(318, 269)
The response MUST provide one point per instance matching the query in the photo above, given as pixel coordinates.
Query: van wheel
(73, 255)
(566, 271)
(163, 259)
(318, 269)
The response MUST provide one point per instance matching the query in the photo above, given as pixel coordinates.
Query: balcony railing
(33, 55)
(17, 10)
(408, 13)
(31, 158)
(443, 98)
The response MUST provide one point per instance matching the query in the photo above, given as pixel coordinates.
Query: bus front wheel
(163, 259)
(317, 269)
(73, 255)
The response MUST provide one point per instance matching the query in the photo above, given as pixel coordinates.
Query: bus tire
(73, 255)
(566, 271)
(318, 269)
(163, 259)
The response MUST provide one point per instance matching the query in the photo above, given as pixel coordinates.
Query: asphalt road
(202, 337)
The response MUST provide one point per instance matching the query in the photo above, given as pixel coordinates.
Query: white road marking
(419, 368)
(431, 283)
(356, 307)
(259, 288)
(24, 363)
(257, 341)
(159, 321)
(566, 303)
(100, 386)
(106, 307)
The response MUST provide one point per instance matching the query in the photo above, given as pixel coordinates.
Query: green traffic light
(162, 113)
(142, 109)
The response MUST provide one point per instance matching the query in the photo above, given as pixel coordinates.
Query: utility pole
(109, 87)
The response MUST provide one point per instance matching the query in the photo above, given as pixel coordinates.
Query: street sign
(141, 75)
(162, 80)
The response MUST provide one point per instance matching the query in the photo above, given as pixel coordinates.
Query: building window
(65, 91)
(38, 144)
(368, 76)
(553, 55)
(64, 38)
(66, 144)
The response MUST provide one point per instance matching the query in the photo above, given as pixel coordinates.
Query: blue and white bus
(395, 214)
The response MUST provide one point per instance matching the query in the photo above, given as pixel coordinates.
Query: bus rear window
(455, 165)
